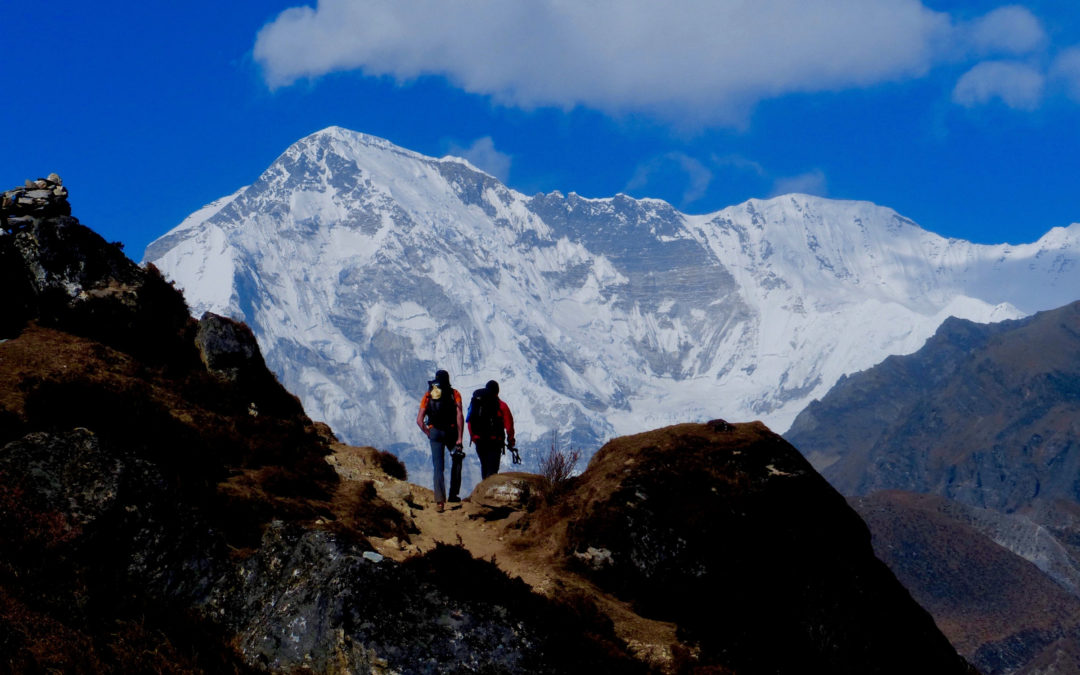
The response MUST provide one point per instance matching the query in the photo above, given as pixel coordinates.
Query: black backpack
(442, 412)
(487, 423)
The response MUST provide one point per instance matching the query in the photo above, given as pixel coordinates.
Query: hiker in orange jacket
(441, 421)
(490, 425)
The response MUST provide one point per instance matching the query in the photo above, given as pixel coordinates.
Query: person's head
(493, 387)
(442, 378)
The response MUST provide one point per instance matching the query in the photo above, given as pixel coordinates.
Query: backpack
(441, 412)
(484, 414)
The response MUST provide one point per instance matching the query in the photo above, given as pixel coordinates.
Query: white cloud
(1066, 69)
(1017, 85)
(1006, 30)
(809, 183)
(698, 177)
(707, 60)
(739, 163)
(483, 155)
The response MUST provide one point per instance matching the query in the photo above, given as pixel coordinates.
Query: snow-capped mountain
(362, 267)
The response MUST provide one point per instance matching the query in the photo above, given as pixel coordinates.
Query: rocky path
(535, 560)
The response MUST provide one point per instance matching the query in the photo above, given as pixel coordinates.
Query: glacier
(362, 267)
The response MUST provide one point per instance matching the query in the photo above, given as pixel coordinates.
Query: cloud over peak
(711, 60)
(1006, 30)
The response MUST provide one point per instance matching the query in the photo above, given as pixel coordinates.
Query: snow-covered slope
(362, 267)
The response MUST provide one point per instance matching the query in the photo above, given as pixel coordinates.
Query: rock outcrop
(727, 531)
(37, 199)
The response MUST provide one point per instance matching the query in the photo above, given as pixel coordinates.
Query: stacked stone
(41, 198)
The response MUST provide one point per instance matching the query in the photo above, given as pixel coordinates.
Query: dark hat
(492, 386)
(442, 378)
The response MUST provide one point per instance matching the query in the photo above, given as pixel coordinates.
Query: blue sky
(964, 116)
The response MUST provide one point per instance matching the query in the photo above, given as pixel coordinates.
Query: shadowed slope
(727, 531)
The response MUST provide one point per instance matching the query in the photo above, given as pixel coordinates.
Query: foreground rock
(727, 531)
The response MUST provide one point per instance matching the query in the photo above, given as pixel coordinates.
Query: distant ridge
(983, 414)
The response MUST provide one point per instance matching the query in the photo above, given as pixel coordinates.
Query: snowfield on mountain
(362, 267)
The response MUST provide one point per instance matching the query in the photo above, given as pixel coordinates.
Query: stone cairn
(38, 199)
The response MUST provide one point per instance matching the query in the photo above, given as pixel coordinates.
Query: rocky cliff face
(166, 506)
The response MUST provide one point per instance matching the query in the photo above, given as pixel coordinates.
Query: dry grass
(558, 464)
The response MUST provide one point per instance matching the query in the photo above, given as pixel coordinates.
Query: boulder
(227, 348)
(510, 491)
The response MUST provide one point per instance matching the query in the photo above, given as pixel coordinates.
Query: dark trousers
(455, 474)
(442, 442)
(490, 452)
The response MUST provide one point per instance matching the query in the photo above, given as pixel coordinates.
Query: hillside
(166, 506)
(982, 422)
(983, 414)
(996, 608)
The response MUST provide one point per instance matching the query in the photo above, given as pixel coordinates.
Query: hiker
(440, 419)
(490, 424)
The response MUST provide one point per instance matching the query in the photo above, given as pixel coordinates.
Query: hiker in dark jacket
(441, 421)
(490, 425)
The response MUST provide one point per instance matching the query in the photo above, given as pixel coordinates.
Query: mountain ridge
(362, 267)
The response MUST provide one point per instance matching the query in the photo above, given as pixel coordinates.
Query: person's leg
(437, 462)
(480, 456)
(455, 474)
(488, 453)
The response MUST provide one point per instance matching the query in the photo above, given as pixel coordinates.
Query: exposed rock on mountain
(362, 267)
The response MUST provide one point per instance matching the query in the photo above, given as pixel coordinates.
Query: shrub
(391, 465)
(558, 463)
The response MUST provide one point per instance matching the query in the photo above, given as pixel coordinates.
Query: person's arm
(420, 415)
(469, 423)
(508, 423)
(460, 418)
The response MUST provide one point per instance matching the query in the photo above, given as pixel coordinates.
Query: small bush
(557, 465)
(392, 466)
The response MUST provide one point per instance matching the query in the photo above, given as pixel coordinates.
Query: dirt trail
(534, 561)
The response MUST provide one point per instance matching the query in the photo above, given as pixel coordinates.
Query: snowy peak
(362, 267)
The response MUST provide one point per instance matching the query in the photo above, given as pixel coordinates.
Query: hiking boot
(440, 507)
(454, 500)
